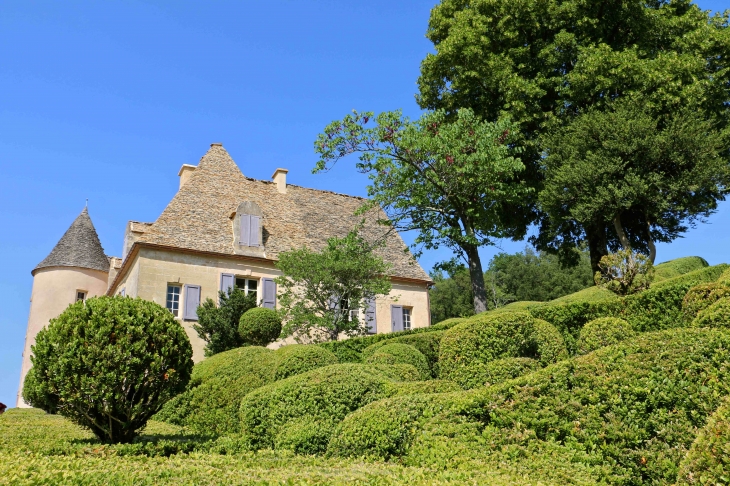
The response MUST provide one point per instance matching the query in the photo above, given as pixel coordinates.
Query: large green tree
(455, 183)
(547, 62)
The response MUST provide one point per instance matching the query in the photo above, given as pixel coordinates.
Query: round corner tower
(76, 268)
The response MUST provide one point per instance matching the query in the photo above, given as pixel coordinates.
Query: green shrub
(448, 323)
(259, 326)
(724, 278)
(425, 342)
(717, 315)
(218, 324)
(678, 266)
(708, 460)
(323, 396)
(702, 296)
(417, 387)
(624, 414)
(295, 359)
(467, 348)
(109, 364)
(304, 436)
(505, 369)
(625, 272)
(398, 373)
(603, 332)
(400, 354)
(210, 404)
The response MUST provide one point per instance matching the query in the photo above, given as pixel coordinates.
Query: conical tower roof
(78, 247)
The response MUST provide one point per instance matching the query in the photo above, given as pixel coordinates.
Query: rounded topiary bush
(295, 359)
(467, 348)
(708, 460)
(717, 315)
(398, 353)
(304, 436)
(109, 364)
(702, 296)
(505, 369)
(426, 342)
(603, 332)
(259, 326)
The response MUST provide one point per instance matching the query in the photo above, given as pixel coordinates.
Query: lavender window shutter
(245, 229)
(228, 281)
(397, 317)
(253, 236)
(192, 301)
(269, 293)
(370, 321)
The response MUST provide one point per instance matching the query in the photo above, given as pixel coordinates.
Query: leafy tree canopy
(218, 325)
(456, 184)
(325, 294)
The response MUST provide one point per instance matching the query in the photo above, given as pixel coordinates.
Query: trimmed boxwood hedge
(624, 414)
(658, 308)
(467, 348)
(259, 326)
(603, 332)
(399, 353)
(426, 342)
(702, 296)
(708, 460)
(505, 369)
(323, 396)
(295, 359)
(678, 266)
(717, 315)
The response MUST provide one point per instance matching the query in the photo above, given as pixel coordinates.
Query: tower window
(80, 295)
(173, 299)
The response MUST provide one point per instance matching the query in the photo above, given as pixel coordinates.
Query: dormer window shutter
(245, 229)
(253, 234)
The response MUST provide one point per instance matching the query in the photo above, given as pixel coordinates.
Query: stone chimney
(279, 178)
(185, 172)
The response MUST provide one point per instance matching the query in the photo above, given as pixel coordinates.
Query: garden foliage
(716, 315)
(603, 332)
(399, 353)
(109, 364)
(259, 326)
(708, 460)
(218, 324)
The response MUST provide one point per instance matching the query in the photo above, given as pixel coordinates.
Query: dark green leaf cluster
(398, 353)
(708, 460)
(210, 404)
(218, 325)
(109, 364)
(259, 326)
(603, 332)
(467, 348)
(625, 414)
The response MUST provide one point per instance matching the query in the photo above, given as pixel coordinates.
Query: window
(80, 295)
(248, 285)
(406, 319)
(173, 299)
(249, 232)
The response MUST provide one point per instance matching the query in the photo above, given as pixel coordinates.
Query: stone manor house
(221, 229)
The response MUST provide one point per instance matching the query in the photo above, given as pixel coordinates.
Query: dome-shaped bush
(702, 296)
(603, 332)
(717, 315)
(299, 358)
(399, 353)
(505, 369)
(109, 364)
(468, 347)
(259, 326)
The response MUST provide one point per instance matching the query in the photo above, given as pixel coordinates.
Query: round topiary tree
(295, 359)
(259, 326)
(702, 296)
(109, 364)
(717, 315)
(398, 353)
(603, 332)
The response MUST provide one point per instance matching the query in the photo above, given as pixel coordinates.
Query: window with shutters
(247, 226)
(173, 299)
(248, 285)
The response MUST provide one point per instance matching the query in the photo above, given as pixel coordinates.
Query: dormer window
(247, 227)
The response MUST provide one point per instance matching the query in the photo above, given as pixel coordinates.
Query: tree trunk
(650, 242)
(597, 244)
(477, 278)
(621, 233)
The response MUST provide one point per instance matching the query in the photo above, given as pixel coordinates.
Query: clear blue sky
(106, 100)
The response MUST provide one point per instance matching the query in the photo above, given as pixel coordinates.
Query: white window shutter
(269, 293)
(253, 235)
(192, 301)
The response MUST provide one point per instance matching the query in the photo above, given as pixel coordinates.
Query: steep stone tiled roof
(199, 216)
(78, 247)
